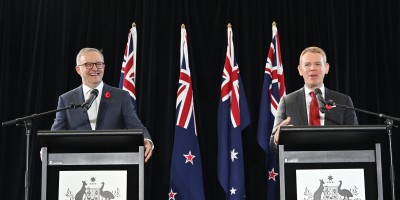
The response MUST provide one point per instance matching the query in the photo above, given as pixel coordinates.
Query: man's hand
(283, 123)
(148, 146)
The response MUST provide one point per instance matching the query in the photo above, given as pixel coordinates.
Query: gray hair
(87, 49)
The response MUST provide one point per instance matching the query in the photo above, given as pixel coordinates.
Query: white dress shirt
(308, 102)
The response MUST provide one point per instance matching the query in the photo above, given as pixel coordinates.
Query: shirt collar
(86, 88)
(307, 90)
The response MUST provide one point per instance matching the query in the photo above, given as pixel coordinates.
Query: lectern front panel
(93, 182)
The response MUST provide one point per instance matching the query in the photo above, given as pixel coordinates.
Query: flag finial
(274, 28)
(183, 26)
(133, 24)
(229, 25)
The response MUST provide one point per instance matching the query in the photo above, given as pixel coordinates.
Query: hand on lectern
(283, 123)
(148, 146)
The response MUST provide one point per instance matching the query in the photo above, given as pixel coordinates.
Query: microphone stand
(27, 122)
(389, 125)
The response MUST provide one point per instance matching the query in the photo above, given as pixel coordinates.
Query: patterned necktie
(92, 114)
(314, 119)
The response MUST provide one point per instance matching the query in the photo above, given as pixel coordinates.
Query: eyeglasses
(89, 65)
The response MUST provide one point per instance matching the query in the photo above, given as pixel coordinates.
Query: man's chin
(313, 85)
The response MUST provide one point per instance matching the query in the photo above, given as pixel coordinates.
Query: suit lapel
(328, 114)
(78, 98)
(104, 102)
(302, 110)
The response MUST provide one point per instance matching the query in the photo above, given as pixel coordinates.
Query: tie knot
(89, 92)
(312, 94)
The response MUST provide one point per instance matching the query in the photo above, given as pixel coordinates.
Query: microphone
(321, 100)
(330, 103)
(93, 95)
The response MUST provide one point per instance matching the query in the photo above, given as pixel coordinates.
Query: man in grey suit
(294, 108)
(112, 109)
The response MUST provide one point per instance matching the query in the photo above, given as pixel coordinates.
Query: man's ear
(78, 69)
(299, 69)
(326, 68)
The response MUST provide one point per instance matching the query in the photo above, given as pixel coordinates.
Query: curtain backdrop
(39, 40)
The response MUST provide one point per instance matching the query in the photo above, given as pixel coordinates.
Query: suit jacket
(293, 105)
(115, 112)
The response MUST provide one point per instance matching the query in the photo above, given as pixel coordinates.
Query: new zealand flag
(128, 70)
(272, 91)
(186, 178)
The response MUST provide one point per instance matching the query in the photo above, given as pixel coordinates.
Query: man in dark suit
(294, 108)
(112, 109)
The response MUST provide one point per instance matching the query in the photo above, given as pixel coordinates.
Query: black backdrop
(39, 40)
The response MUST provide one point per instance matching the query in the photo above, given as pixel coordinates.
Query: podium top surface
(343, 137)
(67, 141)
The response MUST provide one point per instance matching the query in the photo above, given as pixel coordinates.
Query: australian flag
(128, 69)
(272, 91)
(233, 117)
(186, 178)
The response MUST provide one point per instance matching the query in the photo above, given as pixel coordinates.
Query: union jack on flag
(272, 91)
(233, 117)
(186, 178)
(128, 70)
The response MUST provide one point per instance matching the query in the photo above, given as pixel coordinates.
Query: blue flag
(186, 178)
(233, 117)
(272, 91)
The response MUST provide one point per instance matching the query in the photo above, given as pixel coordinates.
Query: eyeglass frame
(90, 65)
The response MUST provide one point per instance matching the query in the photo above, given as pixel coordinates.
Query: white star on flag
(233, 191)
(233, 155)
(189, 157)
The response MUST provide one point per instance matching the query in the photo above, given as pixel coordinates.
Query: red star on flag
(189, 157)
(272, 174)
(171, 195)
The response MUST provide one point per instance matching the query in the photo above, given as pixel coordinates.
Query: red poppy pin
(328, 106)
(107, 95)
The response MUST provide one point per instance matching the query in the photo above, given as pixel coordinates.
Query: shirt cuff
(151, 142)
